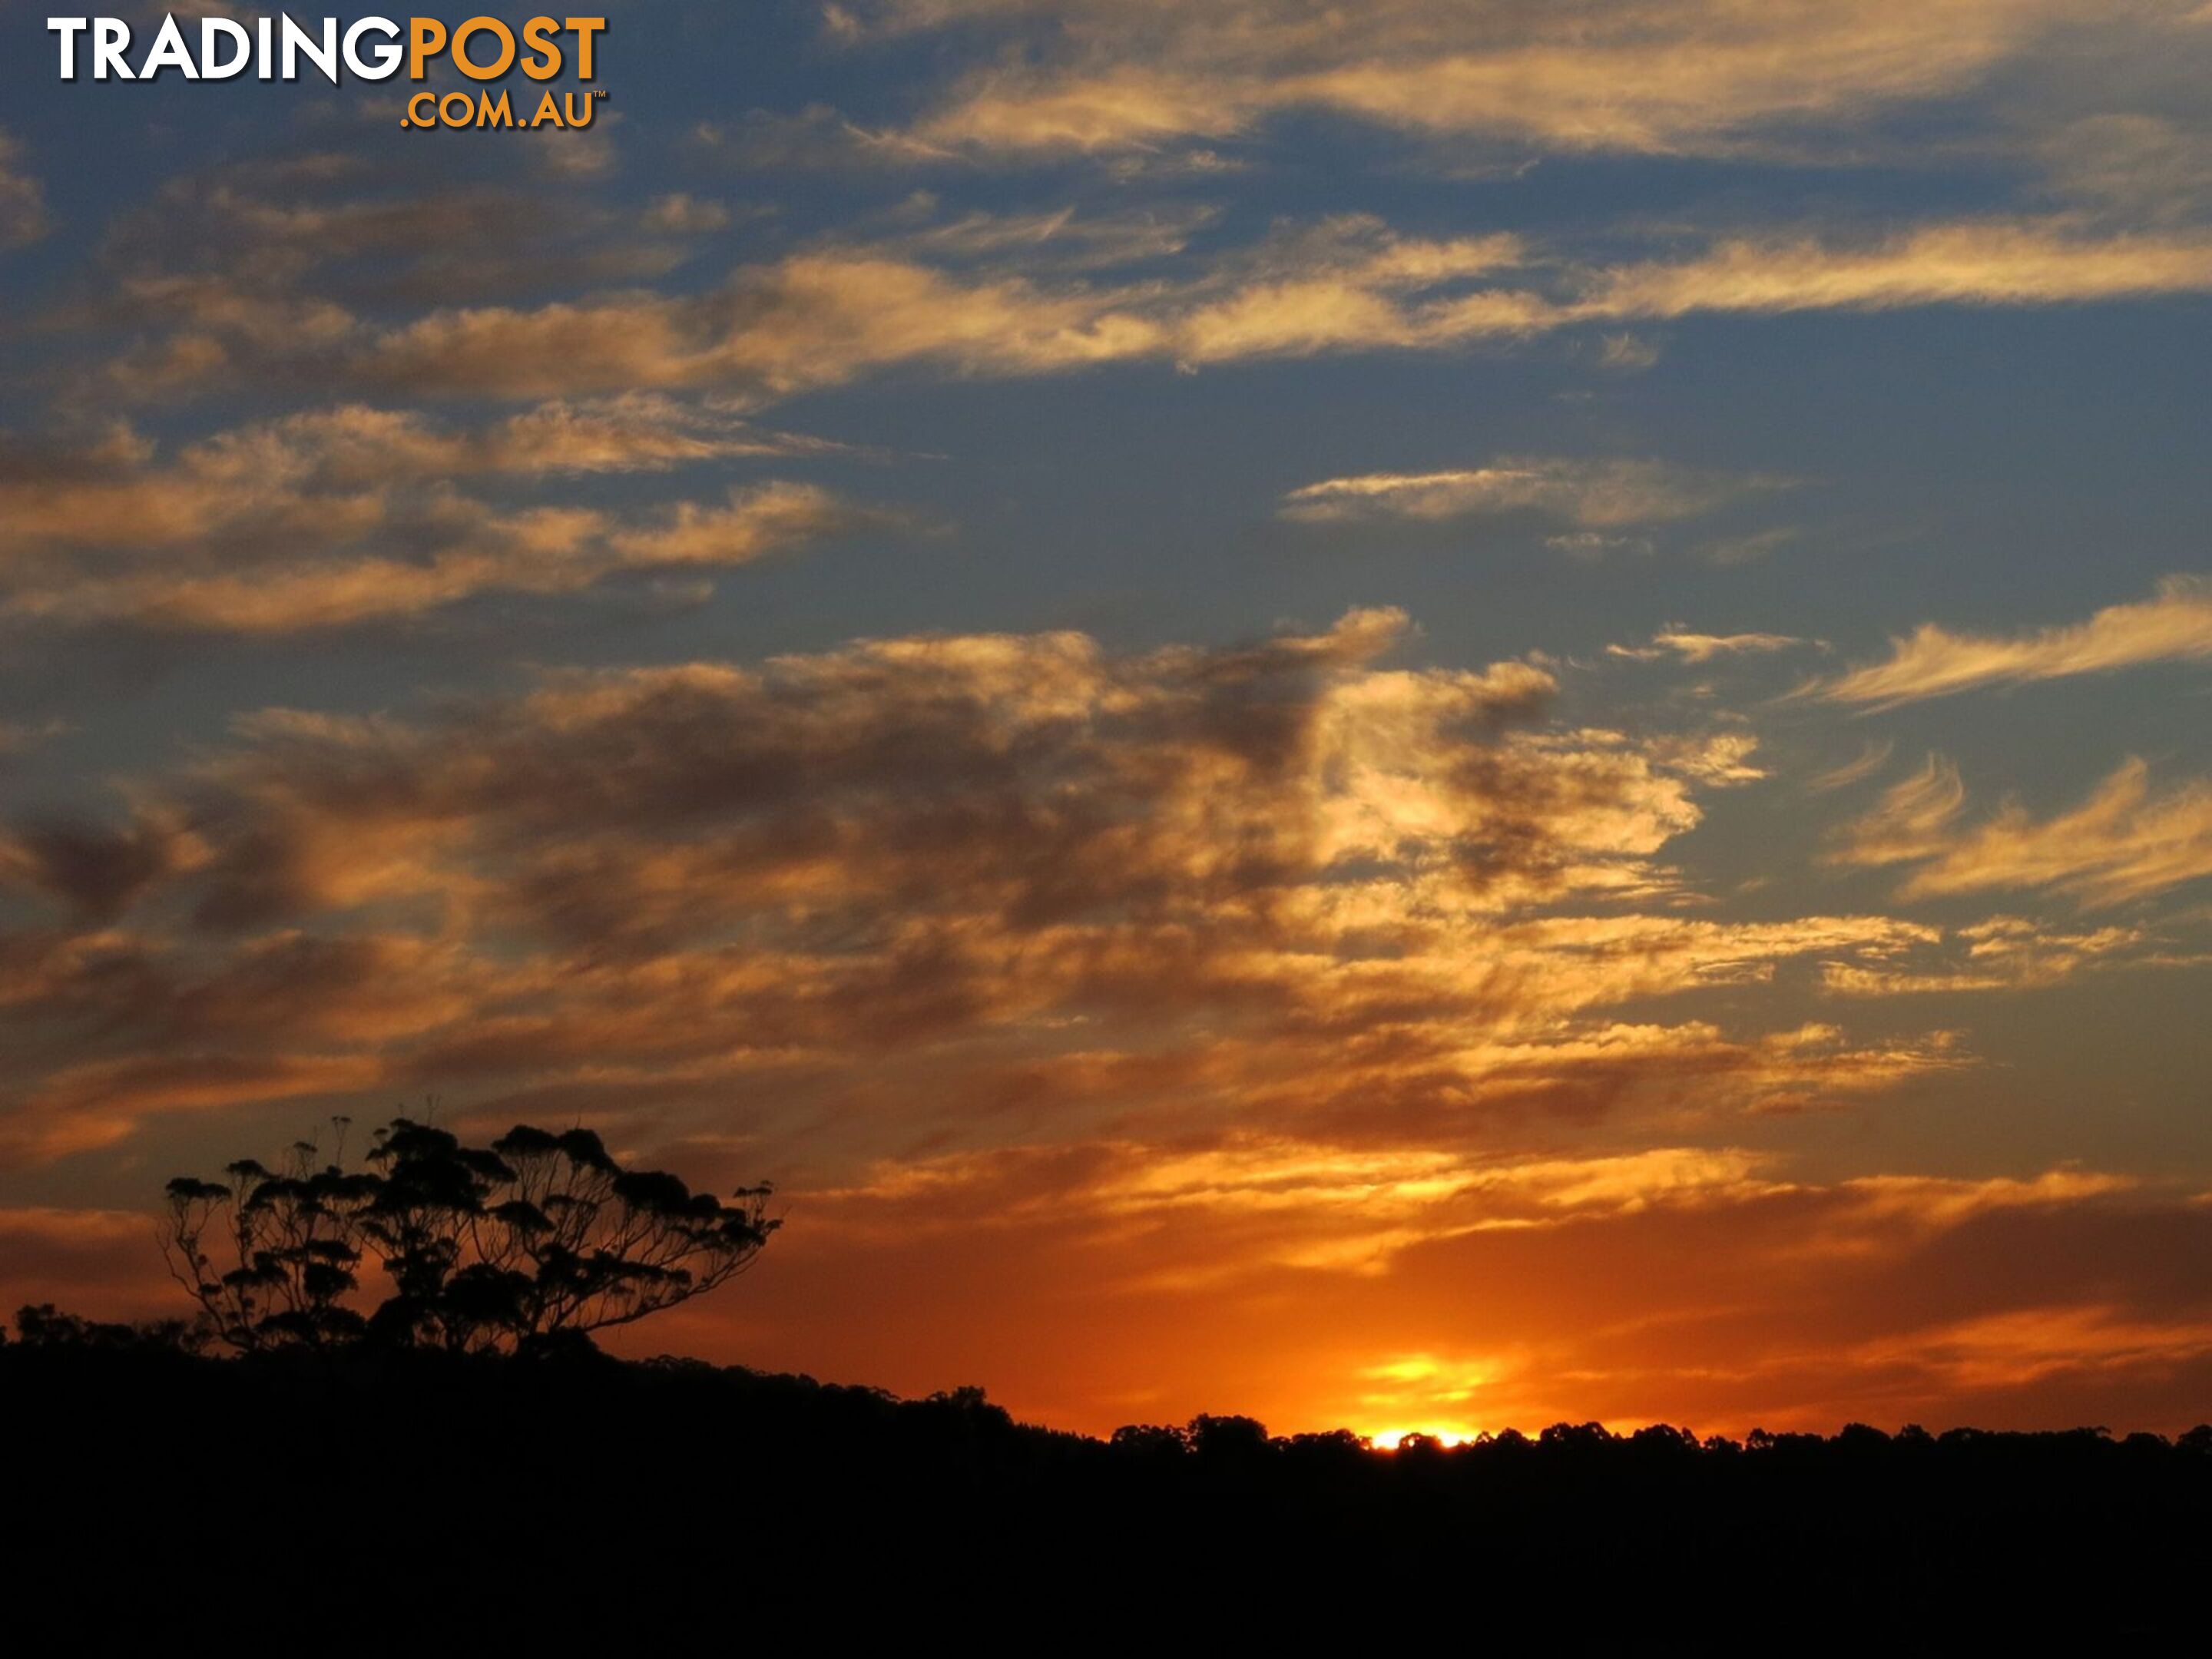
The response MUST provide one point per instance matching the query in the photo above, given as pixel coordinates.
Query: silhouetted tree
(1227, 1438)
(527, 1244)
(1339, 1443)
(1155, 1441)
(293, 1237)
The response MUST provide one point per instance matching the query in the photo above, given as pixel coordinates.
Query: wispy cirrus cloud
(365, 233)
(2005, 953)
(461, 550)
(1011, 296)
(1911, 820)
(1591, 493)
(2127, 840)
(814, 137)
(2139, 167)
(830, 315)
(1872, 756)
(822, 319)
(110, 489)
(346, 515)
(1062, 239)
(1656, 76)
(2173, 625)
(2047, 260)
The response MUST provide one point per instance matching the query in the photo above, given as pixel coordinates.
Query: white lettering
(382, 61)
(69, 29)
(111, 38)
(211, 67)
(324, 55)
(168, 52)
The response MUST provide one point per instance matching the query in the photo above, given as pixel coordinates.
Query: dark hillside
(382, 1501)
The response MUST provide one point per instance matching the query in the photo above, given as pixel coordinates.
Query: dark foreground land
(405, 1503)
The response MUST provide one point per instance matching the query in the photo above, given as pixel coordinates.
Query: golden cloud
(345, 516)
(825, 318)
(2126, 842)
(2004, 953)
(2175, 625)
(1282, 877)
(1648, 77)
(1685, 644)
(2050, 261)
(1038, 294)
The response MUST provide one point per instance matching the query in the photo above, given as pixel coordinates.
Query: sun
(1389, 1439)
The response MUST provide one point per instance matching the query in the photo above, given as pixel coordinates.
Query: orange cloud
(343, 516)
(825, 318)
(1430, 1291)
(1660, 76)
(1038, 294)
(1308, 1011)
(1697, 649)
(2004, 953)
(1304, 1011)
(2125, 841)
(1872, 756)
(2174, 626)
(1994, 262)
(1283, 878)
(1913, 820)
(82, 1108)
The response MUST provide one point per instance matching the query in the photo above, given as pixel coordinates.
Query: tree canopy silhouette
(530, 1243)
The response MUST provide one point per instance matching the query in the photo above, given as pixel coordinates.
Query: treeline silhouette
(376, 1499)
(412, 1445)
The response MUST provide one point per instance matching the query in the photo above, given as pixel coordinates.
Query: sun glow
(1423, 1395)
(1391, 1440)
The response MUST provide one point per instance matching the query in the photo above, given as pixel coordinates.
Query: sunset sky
(1418, 714)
